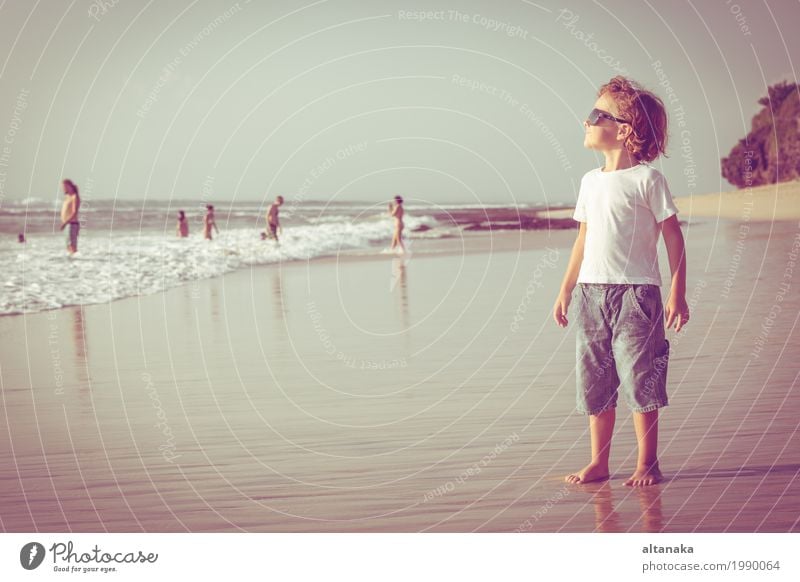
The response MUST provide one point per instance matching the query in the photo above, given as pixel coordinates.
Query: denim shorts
(620, 343)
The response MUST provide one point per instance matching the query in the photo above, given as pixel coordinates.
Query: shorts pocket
(642, 306)
(646, 302)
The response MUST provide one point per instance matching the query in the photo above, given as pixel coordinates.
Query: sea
(130, 248)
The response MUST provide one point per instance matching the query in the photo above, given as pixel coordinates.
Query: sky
(440, 101)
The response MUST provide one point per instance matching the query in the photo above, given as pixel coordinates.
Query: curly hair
(647, 115)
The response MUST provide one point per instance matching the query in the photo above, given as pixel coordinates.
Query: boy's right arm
(570, 278)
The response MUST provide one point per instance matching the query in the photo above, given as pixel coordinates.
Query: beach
(375, 393)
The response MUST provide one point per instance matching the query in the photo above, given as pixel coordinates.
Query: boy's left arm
(676, 310)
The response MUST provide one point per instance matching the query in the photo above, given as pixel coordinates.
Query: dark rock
(770, 153)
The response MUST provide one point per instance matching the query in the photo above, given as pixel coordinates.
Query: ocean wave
(29, 201)
(38, 275)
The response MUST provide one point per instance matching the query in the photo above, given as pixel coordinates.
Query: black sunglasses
(598, 114)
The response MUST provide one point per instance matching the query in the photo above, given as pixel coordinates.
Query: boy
(622, 207)
(273, 223)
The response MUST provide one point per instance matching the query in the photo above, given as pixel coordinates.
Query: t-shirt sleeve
(580, 207)
(659, 199)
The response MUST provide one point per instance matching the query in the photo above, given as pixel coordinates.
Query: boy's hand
(560, 308)
(676, 310)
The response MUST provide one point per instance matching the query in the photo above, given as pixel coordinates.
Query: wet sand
(435, 394)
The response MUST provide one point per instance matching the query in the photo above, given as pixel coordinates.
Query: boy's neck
(618, 160)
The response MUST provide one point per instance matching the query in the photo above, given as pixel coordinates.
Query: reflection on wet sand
(78, 333)
(277, 297)
(400, 281)
(81, 360)
(606, 519)
(650, 505)
(606, 499)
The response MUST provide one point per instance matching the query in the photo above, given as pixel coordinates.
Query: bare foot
(591, 472)
(644, 476)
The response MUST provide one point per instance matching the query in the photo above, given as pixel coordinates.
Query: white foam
(38, 275)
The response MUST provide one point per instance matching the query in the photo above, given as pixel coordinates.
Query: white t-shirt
(622, 210)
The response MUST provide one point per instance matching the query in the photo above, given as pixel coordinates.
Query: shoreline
(517, 229)
(500, 241)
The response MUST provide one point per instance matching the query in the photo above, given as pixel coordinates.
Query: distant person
(209, 222)
(183, 225)
(69, 215)
(273, 222)
(21, 238)
(396, 211)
